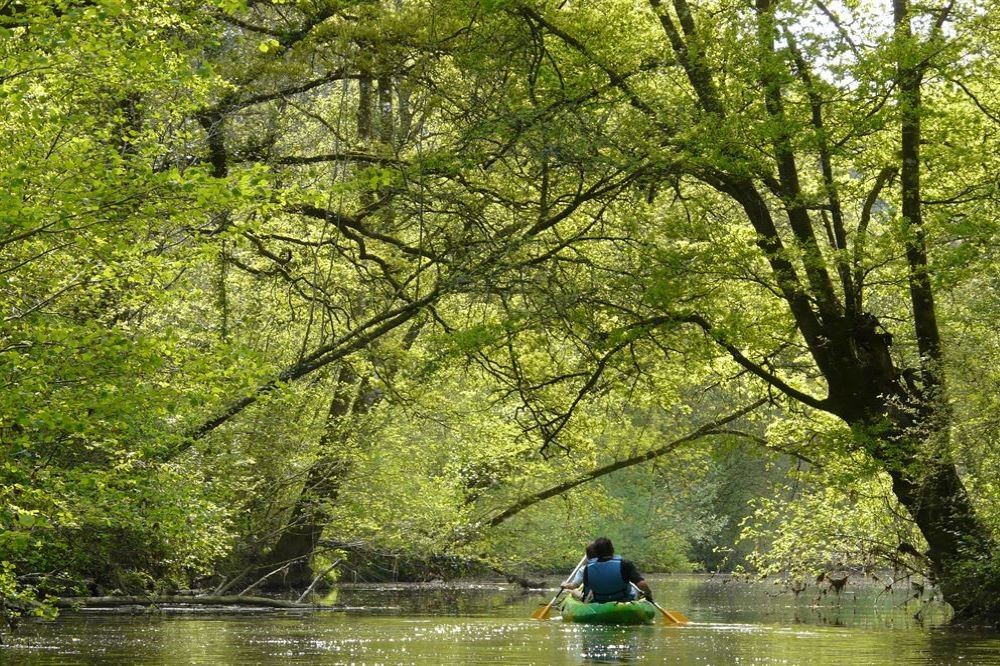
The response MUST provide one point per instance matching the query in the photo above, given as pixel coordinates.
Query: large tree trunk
(907, 432)
(959, 544)
(310, 514)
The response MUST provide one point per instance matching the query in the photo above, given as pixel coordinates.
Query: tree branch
(826, 164)
(322, 356)
(883, 177)
(702, 431)
(753, 368)
(691, 61)
(791, 191)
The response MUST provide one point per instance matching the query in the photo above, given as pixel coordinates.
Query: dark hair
(590, 551)
(603, 547)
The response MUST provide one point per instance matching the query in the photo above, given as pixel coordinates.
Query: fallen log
(171, 600)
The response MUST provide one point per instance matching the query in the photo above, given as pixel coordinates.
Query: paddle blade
(543, 612)
(672, 617)
(677, 617)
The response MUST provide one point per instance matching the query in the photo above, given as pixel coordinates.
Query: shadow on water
(467, 600)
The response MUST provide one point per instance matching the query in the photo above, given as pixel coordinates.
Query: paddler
(608, 576)
(577, 580)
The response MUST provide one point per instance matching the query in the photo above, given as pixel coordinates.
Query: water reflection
(490, 624)
(726, 599)
(475, 600)
(609, 645)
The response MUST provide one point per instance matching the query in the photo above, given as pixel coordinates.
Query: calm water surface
(732, 623)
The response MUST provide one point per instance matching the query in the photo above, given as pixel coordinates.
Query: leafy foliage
(482, 280)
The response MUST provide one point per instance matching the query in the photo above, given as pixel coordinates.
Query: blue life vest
(605, 580)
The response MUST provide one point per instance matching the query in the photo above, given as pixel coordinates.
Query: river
(488, 623)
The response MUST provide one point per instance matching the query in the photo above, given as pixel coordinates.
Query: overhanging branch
(702, 431)
(753, 368)
(351, 342)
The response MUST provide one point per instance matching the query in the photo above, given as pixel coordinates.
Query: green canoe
(612, 612)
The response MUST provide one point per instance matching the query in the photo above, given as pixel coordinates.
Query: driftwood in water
(513, 577)
(317, 579)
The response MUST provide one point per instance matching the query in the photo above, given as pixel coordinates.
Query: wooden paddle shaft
(544, 612)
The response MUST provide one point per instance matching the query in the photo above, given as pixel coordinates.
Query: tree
(98, 229)
(579, 216)
(748, 101)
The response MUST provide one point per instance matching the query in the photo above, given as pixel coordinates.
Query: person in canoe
(577, 579)
(608, 576)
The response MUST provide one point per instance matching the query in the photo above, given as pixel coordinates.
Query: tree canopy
(283, 281)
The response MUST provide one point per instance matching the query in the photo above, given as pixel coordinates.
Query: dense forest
(418, 288)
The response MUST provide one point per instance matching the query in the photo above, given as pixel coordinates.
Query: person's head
(603, 547)
(590, 551)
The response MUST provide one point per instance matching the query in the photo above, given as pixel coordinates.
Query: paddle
(543, 612)
(669, 617)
